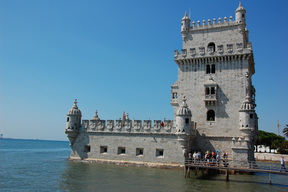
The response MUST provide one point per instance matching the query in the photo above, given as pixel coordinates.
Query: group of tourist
(211, 158)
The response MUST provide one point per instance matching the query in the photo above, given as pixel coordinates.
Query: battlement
(128, 126)
(212, 51)
(240, 143)
(215, 23)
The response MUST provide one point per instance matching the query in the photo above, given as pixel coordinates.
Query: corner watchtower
(73, 123)
(240, 14)
(185, 26)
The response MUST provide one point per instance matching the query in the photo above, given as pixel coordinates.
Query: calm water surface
(34, 165)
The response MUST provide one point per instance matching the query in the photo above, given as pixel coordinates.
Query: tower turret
(247, 115)
(240, 15)
(183, 125)
(74, 118)
(183, 118)
(185, 25)
(73, 123)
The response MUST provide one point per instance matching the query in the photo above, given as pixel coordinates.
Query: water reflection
(80, 176)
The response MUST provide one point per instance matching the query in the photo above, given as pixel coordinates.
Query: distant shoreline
(6, 138)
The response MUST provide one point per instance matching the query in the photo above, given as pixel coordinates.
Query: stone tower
(215, 69)
(73, 123)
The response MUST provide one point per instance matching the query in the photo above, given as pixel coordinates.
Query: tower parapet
(128, 126)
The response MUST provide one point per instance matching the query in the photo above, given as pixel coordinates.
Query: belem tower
(213, 101)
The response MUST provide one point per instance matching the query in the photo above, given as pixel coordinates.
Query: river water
(35, 165)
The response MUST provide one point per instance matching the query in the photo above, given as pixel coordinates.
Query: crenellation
(211, 52)
(127, 125)
(110, 125)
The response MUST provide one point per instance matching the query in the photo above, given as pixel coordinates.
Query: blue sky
(116, 56)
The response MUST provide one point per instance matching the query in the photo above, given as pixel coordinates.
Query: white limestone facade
(213, 101)
(151, 143)
(215, 69)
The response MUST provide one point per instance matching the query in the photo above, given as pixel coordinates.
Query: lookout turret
(183, 118)
(73, 123)
(185, 25)
(74, 118)
(240, 14)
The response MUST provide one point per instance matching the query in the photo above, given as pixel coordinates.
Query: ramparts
(212, 24)
(128, 126)
(212, 51)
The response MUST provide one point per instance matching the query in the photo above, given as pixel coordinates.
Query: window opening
(212, 90)
(159, 152)
(251, 116)
(103, 149)
(67, 119)
(187, 120)
(210, 69)
(207, 69)
(174, 95)
(212, 46)
(139, 151)
(87, 148)
(210, 115)
(213, 68)
(207, 91)
(121, 150)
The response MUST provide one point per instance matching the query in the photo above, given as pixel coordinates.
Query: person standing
(282, 162)
(218, 159)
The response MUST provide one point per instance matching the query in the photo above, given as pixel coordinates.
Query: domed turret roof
(185, 17)
(240, 8)
(74, 109)
(247, 104)
(95, 117)
(183, 109)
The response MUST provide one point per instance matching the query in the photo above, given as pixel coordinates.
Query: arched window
(187, 120)
(211, 47)
(210, 115)
(67, 119)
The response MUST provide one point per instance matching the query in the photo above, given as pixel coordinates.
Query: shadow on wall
(222, 103)
(83, 149)
(202, 144)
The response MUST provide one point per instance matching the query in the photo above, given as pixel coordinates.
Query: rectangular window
(103, 149)
(159, 152)
(121, 151)
(174, 95)
(213, 69)
(87, 148)
(251, 116)
(207, 69)
(139, 151)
